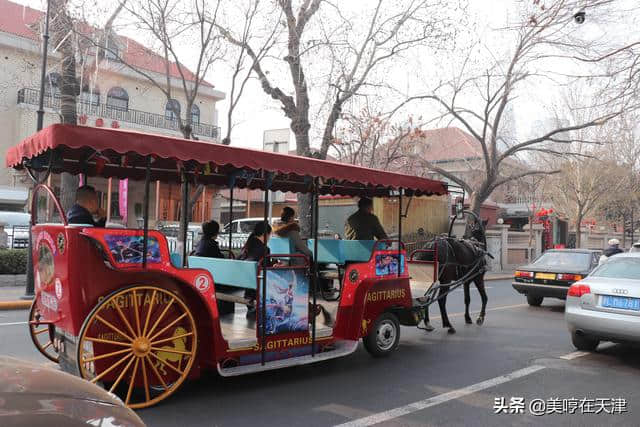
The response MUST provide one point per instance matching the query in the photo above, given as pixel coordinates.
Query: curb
(15, 305)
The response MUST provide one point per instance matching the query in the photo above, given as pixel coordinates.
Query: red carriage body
(118, 311)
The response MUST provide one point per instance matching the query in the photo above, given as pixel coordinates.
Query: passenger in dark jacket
(208, 246)
(255, 250)
(364, 225)
(86, 206)
(613, 249)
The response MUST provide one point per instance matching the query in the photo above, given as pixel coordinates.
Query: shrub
(13, 261)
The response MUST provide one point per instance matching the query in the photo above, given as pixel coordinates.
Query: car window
(619, 268)
(247, 226)
(572, 260)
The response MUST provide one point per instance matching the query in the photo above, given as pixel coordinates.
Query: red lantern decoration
(83, 119)
(99, 122)
(115, 124)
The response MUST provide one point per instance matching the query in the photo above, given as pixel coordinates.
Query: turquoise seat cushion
(358, 250)
(176, 259)
(280, 245)
(330, 251)
(230, 272)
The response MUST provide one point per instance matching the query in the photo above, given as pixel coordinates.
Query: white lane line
(575, 355)
(441, 398)
(503, 307)
(13, 323)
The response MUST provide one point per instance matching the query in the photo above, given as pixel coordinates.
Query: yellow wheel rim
(140, 343)
(42, 334)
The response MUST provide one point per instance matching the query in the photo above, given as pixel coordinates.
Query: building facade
(111, 95)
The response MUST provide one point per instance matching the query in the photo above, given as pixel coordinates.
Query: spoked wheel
(42, 334)
(140, 343)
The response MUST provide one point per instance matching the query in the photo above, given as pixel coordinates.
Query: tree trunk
(578, 232)
(301, 133)
(68, 89)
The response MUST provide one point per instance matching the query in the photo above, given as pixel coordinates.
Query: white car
(605, 306)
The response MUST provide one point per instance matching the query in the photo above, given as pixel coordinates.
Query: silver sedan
(605, 306)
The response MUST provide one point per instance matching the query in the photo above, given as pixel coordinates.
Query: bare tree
(477, 100)
(348, 53)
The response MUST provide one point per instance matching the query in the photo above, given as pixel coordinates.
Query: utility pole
(30, 288)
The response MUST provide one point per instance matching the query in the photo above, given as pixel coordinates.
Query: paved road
(433, 379)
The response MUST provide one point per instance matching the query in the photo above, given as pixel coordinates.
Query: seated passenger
(291, 230)
(254, 250)
(86, 207)
(364, 225)
(208, 246)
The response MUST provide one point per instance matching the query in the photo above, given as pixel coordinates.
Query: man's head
(614, 242)
(87, 197)
(210, 229)
(365, 205)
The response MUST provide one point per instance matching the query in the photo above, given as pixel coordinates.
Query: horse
(457, 259)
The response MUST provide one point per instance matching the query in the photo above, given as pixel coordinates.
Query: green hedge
(13, 261)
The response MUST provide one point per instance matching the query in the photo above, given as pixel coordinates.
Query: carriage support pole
(263, 293)
(184, 217)
(231, 216)
(400, 261)
(145, 213)
(314, 268)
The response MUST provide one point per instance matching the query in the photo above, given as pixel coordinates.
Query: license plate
(624, 303)
(546, 276)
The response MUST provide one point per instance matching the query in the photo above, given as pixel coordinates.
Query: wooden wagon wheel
(42, 334)
(139, 342)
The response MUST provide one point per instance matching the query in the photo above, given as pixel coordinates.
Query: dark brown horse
(458, 260)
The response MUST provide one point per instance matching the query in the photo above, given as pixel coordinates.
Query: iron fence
(32, 96)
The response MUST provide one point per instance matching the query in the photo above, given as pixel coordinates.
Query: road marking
(504, 307)
(575, 355)
(441, 398)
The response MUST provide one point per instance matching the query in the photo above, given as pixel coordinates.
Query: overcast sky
(257, 113)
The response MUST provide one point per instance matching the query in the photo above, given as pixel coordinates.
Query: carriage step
(341, 349)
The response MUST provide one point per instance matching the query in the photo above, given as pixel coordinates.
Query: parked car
(553, 272)
(635, 247)
(240, 228)
(606, 305)
(34, 395)
(16, 224)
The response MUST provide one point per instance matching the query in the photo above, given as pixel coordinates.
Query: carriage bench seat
(229, 272)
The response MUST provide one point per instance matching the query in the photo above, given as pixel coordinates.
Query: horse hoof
(451, 330)
(428, 327)
(468, 320)
(480, 321)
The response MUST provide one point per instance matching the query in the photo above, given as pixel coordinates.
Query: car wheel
(584, 343)
(384, 336)
(534, 300)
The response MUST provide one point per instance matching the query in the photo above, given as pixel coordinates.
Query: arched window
(52, 84)
(90, 95)
(195, 114)
(118, 98)
(172, 110)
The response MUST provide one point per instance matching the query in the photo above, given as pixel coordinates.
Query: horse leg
(483, 294)
(427, 326)
(442, 304)
(467, 301)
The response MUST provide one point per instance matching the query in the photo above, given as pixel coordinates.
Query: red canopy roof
(123, 154)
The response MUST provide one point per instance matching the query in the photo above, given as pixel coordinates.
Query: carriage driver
(86, 207)
(364, 225)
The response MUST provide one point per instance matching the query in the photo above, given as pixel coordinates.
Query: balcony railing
(32, 96)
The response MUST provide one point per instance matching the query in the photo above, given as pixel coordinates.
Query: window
(195, 114)
(172, 110)
(52, 84)
(618, 267)
(90, 95)
(118, 98)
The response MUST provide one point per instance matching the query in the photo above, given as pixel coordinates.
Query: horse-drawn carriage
(117, 308)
